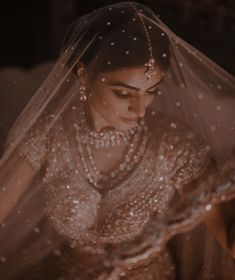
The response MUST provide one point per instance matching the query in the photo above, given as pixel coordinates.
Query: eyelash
(129, 94)
(119, 93)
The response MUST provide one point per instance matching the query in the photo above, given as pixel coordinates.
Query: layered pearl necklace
(107, 138)
(87, 139)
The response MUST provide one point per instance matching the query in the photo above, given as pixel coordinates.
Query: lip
(129, 120)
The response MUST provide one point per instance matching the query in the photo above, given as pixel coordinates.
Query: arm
(15, 175)
(21, 166)
(204, 176)
(232, 240)
(215, 223)
(220, 222)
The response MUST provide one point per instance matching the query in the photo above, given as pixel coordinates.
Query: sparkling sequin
(90, 219)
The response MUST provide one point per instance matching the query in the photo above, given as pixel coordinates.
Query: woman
(117, 152)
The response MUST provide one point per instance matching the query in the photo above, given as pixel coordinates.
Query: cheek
(101, 98)
(117, 107)
(148, 100)
(108, 103)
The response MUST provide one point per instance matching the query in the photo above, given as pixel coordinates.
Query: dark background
(31, 31)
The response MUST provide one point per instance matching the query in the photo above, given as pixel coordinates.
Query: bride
(127, 142)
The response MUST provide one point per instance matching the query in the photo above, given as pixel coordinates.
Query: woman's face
(118, 99)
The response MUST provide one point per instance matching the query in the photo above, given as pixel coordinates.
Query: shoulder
(185, 152)
(35, 143)
(192, 157)
(174, 131)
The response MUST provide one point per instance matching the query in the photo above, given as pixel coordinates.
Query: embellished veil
(178, 160)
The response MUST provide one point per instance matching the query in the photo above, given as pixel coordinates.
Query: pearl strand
(129, 160)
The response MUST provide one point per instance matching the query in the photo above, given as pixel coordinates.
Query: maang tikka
(150, 65)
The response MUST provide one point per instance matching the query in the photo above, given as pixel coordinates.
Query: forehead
(132, 76)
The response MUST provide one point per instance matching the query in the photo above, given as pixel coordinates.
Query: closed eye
(128, 94)
(122, 93)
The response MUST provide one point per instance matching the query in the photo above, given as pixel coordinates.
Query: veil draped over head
(179, 156)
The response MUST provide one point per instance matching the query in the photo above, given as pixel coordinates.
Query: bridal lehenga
(84, 202)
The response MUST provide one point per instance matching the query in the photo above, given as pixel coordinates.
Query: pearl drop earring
(83, 93)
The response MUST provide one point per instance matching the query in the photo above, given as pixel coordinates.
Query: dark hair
(121, 39)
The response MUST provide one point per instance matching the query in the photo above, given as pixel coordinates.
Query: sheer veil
(194, 94)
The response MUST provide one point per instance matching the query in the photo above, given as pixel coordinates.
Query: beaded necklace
(135, 139)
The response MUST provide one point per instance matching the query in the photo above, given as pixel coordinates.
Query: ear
(82, 73)
(80, 69)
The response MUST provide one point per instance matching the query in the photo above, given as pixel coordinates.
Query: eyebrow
(118, 83)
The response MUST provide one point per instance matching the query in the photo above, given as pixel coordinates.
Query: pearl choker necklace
(105, 138)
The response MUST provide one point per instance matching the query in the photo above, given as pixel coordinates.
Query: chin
(125, 125)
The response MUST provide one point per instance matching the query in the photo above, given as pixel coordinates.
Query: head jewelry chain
(150, 70)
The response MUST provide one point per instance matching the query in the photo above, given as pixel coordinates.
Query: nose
(137, 106)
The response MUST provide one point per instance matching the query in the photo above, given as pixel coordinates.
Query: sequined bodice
(78, 211)
(85, 217)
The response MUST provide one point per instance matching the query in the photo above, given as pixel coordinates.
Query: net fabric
(110, 202)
